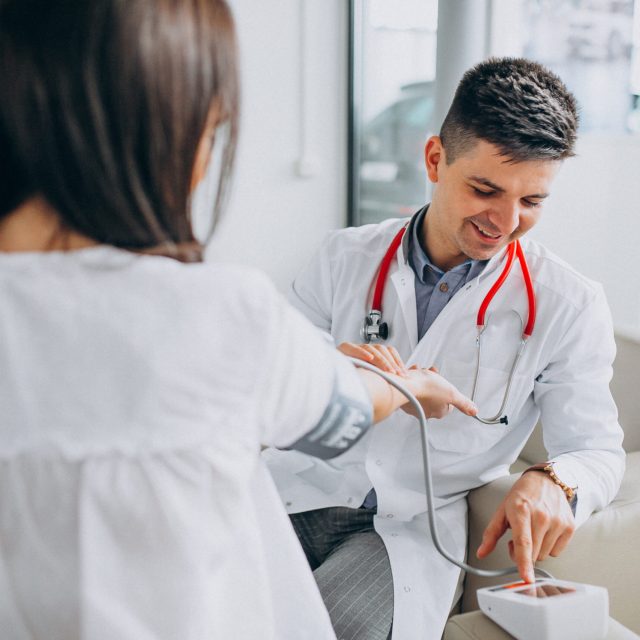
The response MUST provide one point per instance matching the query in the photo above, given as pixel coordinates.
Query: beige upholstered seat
(476, 626)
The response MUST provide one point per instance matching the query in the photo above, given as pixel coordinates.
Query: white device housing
(548, 609)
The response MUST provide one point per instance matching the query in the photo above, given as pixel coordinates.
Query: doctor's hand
(380, 355)
(437, 396)
(540, 518)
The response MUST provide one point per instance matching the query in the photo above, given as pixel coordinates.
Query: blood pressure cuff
(345, 420)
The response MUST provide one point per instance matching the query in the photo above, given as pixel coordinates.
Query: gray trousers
(351, 566)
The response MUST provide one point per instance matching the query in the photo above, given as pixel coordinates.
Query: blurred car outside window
(593, 45)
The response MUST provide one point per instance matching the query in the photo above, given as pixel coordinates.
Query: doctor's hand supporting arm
(540, 518)
(382, 356)
(437, 396)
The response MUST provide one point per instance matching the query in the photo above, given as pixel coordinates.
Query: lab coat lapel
(405, 311)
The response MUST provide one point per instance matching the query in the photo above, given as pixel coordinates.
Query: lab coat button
(394, 535)
(349, 500)
(379, 463)
(389, 515)
(402, 281)
(288, 504)
(407, 589)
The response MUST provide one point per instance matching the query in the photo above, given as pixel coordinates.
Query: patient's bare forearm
(385, 398)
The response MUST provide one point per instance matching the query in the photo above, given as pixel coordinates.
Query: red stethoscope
(374, 329)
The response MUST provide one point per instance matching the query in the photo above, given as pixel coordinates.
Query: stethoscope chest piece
(373, 329)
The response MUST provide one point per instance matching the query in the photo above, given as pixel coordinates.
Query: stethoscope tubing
(514, 250)
(383, 271)
(426, 466)
(499, 418)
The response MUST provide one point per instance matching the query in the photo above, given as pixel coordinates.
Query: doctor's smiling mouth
(487, 232)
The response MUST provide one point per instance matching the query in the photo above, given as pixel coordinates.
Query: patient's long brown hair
(102, 106)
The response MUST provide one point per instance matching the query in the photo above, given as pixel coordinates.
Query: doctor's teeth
(493, 236)
(485, 233)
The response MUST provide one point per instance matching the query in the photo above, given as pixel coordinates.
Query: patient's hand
(436, 395)
(382, 356)
(540, 518)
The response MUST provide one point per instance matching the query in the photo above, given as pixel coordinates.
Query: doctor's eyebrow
(487, 183)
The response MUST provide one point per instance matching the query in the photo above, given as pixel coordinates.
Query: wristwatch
(547, 467)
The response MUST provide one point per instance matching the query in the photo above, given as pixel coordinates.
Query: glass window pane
(589, 43)
(594, 45)
(395, 91)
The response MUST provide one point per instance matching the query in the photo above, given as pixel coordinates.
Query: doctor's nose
(506, 217)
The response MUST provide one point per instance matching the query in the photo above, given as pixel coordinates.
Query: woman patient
(138, 383)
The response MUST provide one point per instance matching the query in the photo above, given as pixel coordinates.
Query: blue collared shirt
(433, 286)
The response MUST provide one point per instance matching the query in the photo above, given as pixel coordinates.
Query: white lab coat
(562, 378)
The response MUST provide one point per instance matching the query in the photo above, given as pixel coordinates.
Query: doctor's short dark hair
(103, 104)
(517, 105)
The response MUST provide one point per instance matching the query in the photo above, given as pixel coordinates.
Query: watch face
(545, 591)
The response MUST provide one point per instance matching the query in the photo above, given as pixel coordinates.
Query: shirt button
(444, 287)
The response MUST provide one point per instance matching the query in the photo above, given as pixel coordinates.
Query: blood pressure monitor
(548, 609)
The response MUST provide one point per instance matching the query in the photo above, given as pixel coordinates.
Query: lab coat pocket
(463, 434)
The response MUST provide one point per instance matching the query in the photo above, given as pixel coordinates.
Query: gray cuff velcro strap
(343, 423)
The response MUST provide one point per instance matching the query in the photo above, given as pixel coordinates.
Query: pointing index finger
(464, 404)
(520, 520)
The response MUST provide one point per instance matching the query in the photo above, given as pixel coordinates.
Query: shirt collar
(419, 259)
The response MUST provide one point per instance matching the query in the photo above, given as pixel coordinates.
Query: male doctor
(361, 517)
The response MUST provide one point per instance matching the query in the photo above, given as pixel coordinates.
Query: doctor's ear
(434, 154)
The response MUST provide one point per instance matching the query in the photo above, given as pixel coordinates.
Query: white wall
(592, 220)
(276, 218)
